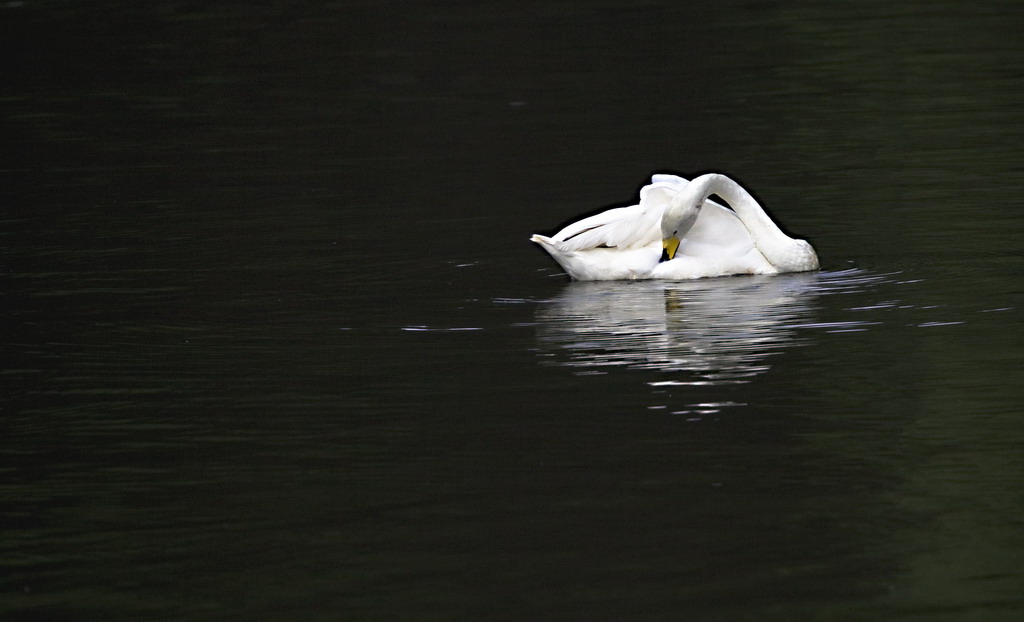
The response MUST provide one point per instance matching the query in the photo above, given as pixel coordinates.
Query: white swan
(698, 238)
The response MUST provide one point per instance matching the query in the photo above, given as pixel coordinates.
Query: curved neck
(768, 238)
(748, 209)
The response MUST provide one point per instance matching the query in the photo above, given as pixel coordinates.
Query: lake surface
(275, 344)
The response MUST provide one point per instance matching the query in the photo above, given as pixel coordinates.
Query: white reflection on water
(719, 331)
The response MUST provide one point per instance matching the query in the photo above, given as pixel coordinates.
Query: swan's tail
(551, 246)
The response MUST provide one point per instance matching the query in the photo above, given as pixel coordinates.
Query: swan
(676, 233)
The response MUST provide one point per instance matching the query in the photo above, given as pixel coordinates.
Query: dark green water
(275, 346)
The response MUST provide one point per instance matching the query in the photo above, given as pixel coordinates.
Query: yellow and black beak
(669, 246)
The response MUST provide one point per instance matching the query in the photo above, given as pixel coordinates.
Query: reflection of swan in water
(721, 330)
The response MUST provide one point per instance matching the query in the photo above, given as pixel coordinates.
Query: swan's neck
(775, 245)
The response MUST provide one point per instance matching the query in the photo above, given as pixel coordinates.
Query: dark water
(274, 344)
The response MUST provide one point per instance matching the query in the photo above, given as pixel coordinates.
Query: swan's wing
(620, 227)
(671, 180)
(624, 227)
(658, 195)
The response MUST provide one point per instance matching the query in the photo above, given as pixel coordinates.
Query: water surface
(275, 343)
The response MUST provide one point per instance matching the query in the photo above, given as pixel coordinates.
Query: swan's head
(677, 220)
